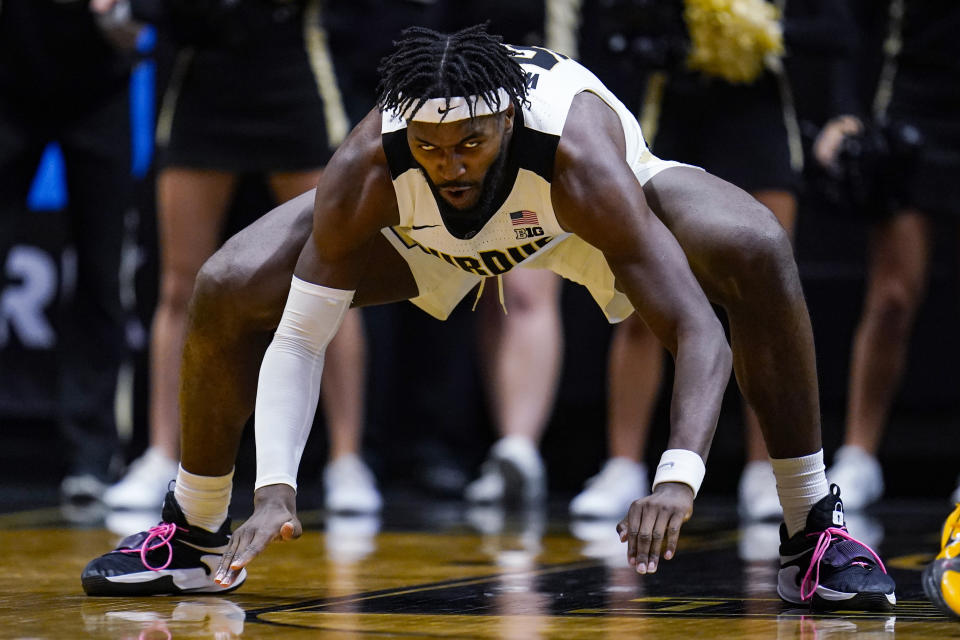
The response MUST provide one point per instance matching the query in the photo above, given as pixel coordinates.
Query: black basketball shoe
(825, 567)
(171, 558)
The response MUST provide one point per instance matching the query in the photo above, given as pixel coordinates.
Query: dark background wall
(426, 399)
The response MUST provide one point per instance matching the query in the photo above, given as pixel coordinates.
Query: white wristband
(680, 465)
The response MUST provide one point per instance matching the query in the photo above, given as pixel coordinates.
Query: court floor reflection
(472, 574)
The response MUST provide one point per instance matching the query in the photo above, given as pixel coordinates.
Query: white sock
(203, 499)
(801, 483)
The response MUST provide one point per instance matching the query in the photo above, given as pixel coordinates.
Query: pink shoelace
(823, 543)
(163, 534)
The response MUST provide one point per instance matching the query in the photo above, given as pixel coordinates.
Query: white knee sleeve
(289, 385)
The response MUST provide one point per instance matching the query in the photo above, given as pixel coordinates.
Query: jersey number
(537, 56)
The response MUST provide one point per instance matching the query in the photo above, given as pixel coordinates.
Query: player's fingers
(656, 540)
(248, 552)
(239, 540)
(644, 537)
(628, 532)
(252, 549)
(673, 535)
(622, 530)
(227, 557)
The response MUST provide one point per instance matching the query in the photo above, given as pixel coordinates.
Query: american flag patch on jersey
(521, 218)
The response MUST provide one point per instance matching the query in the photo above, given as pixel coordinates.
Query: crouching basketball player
(483, 158)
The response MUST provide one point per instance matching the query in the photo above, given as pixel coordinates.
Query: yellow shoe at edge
(941, 579)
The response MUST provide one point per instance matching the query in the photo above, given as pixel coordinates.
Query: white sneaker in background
(610, 493)
(859, 476)
(350, 487)
(145, 483)
(488, 488)
(513, 472)
(757, 497)
(81, 489)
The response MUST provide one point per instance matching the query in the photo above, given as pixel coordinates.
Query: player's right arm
(354, 201)
(597, 196)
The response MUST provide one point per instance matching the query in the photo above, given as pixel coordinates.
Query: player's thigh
(725, 233)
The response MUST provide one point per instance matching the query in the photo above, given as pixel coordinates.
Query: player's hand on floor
(653, 525)
(274, 518)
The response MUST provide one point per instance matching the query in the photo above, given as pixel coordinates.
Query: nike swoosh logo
(214, 550)
(665, 465)
(417, 227)
(787, 559)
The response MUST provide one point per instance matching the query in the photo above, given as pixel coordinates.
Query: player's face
(457, 156)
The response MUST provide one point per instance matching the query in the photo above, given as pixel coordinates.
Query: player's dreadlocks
(426, 64)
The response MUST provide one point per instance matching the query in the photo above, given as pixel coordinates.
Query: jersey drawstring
(503, 302)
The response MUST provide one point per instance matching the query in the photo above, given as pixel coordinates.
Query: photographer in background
(899, 162)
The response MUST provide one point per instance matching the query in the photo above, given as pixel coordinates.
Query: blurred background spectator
(252, 92)
(63, 81)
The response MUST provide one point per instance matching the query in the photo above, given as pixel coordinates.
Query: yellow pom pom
(732, 39)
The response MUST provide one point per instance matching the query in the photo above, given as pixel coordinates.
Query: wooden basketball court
(430, 570)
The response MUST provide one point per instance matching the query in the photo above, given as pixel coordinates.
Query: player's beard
(489, 189)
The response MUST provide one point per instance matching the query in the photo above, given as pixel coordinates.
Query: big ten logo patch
(528, 232)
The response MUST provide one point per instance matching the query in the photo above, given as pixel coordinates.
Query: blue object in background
(143, 82)
(49, 189)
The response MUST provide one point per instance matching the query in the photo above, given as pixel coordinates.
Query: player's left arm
(354, 201)
(597, 196)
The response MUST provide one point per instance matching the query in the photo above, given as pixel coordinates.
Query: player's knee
(246, 294)
(219, 282)
(759, 259)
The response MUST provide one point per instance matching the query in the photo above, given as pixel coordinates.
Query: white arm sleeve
(289, 385)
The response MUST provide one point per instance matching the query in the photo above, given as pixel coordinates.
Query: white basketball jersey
(524, 228)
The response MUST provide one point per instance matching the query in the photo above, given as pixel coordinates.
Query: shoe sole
(931, 580)
(163, 586)
(856, 602)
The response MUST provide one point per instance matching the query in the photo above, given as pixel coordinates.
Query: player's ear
(508, 115)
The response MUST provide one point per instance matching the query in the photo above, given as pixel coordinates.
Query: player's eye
(427, 147)
(472, 144)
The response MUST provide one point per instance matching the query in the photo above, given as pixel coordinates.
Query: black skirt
(270, 106)
(740, 133)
